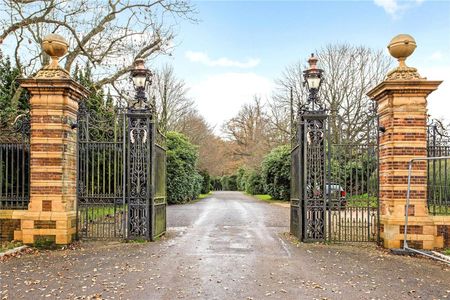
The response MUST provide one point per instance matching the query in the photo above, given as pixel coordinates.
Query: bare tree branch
(350, 71)
(109, 34)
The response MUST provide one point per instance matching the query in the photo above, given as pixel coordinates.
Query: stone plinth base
(52, 227)
(428, 232)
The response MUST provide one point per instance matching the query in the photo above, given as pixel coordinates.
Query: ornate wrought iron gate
(308, 205)
(334, 184)
(352, 188)
(121, 175)
(334, 178)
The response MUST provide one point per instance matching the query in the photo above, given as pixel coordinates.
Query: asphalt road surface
(228, 246)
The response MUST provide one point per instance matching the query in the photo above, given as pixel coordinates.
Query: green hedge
(254, 184)
(229, 182)
(206, 182)
(241, 178)
(184, 183)
(276, 173)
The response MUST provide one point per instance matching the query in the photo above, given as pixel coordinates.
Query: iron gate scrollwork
(121, 175)
(308, 174)
(139, 164)
(313, 181)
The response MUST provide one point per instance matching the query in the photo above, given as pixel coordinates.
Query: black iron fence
(334, 182)
(352, 192)
(15, 163)
(121, 175)
(101, 207)
(438, 179)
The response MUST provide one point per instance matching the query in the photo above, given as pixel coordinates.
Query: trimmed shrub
(229, 182)
(254, 184)
(276, 173)
(232, 183)
(196, 185)
(241, 178)
(184, 183)
(206, 182)
(224, 181)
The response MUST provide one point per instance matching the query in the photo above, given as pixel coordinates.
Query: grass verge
(203, 196)
(5, 246)
(200, 197)
(267, 198)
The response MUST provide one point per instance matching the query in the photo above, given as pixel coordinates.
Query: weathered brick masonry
(53, 142)
(402, 110)
(54, 105)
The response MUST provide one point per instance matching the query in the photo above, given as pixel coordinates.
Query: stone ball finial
(402, 46)
(55, 46)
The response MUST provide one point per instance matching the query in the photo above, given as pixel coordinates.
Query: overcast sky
(239, 48)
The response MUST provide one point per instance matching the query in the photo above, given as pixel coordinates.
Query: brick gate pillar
(51, 215)
(402, 111)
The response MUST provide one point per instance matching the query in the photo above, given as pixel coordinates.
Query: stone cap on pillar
(403, 79)
(52, 78)
(418, 87)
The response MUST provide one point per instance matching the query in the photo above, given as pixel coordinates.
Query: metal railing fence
(406, 242)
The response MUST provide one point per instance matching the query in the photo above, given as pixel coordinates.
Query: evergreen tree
(99, 102)
(13, 99)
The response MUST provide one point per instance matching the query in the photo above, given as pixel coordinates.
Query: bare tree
(279, 112)
(213, 153)
(250, 130)
(172, 102)
(109, 34)
(195, 127)
(350, 71)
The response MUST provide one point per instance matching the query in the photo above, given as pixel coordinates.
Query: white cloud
(437, 55)
(203, 58)
(219, 97)
(395, 7)
(390, 6)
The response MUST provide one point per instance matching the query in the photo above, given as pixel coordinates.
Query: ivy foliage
(184, 183)
(276, 173)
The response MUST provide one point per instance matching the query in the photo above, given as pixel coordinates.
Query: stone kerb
(402, 111)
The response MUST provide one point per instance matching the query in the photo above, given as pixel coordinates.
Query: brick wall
(402, 111)
(7, 227)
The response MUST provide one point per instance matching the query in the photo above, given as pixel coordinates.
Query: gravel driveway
(228, 246)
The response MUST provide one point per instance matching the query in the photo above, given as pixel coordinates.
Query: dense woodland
(252, 152)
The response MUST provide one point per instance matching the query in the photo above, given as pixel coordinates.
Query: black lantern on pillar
(313, 80)
(142, 78)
